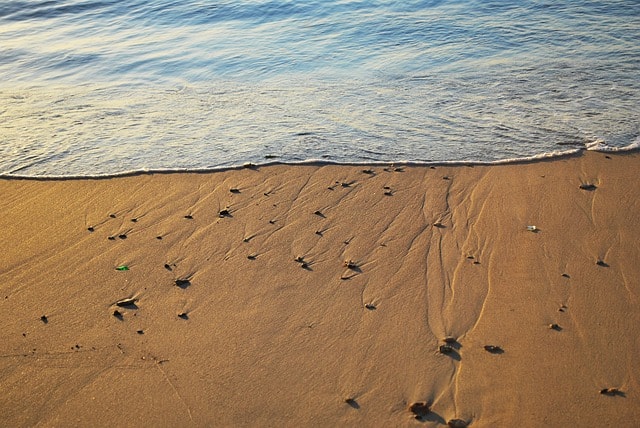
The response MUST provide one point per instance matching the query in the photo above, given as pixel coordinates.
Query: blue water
(102, 87)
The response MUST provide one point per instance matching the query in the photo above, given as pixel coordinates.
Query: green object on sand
(122, 268)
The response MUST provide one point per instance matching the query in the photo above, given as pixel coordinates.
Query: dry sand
(252, 318)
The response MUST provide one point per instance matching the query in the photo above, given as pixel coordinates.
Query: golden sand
(321, 295)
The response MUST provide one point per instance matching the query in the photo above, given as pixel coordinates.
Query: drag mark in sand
(158, 364)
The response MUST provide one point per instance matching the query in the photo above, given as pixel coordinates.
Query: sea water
(98, 87)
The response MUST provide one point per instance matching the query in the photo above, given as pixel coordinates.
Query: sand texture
(321, 295)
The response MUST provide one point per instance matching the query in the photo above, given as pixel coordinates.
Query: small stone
(450, 339)
(117, 314)
(251, 257)
(350, 264)
(554, 327)
(182, 283)
(602, 263)
(588, 186)
(90, 229)
(420, 409)
(370, 306)
(457, 423)
(445, 349)
(609, 391)
(493, 349)
(123, 303)
(234, 190)
(183, 315)
(44, 319)
(122, 236)
(224, 213)
(140, 331)
(189, 217)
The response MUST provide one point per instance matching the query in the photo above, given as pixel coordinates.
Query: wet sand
(324, 295)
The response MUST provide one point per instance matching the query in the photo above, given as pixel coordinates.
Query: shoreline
(325, 294)
(272, 161)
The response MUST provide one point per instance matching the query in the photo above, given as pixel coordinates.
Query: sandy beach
(325, 295)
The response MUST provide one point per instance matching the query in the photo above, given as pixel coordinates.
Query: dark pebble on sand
(457, 423)
(445, 349)
(112, 215)
(140, 331)
(224, 213)
(420, 409)
(111, 238)
(602, 263)
(189, 217)
(90, 229)
(450, 339)
(251, 257)
(493, 349)
(182, 283)
(122, 236)
(183, 315)
(370, 306)
(609, 391)
(44, 319)
(117, 314)
(588, 186)
(234, 190)
(555, 326)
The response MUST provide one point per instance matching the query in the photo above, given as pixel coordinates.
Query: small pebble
(493, 349)
(420, 410)
(609, 391)
(445, 349)
(588, 186)
(350, 264)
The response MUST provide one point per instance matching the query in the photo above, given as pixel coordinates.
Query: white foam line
(598, 146)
